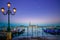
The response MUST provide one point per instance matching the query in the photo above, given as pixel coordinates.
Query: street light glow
(14, 10)
(9, 4)
(3, 10)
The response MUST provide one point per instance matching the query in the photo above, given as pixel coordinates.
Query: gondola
(54, 31)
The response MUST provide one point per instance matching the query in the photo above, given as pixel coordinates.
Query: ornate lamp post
(8, 12)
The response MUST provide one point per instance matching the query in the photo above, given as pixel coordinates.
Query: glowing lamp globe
(14, 10)
(2, 10)
(9, 4)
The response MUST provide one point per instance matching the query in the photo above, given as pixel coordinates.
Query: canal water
(36, 32)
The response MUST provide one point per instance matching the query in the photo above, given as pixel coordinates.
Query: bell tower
(29, 23)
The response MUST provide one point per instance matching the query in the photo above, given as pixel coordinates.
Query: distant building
(30, 25)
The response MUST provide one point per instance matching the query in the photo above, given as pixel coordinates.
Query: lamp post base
(9, 36)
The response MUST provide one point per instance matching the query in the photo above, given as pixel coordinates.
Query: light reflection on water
(37, 32)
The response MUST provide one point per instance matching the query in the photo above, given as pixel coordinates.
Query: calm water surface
(36, 32)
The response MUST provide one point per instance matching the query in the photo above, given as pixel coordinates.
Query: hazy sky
(34, 11)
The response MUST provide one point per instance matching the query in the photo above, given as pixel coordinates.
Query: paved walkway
(35, 38)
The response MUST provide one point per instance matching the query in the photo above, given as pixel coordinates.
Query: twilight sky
(34, 11)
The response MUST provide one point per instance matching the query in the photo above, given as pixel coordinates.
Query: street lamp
(14, 10)
(8, 12)
(8, 4)
(2, 10)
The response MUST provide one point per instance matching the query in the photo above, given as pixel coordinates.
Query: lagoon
(36, 32)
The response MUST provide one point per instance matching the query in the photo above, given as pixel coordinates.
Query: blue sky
(34, 11)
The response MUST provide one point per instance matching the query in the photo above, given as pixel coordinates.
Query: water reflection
(37, 32)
